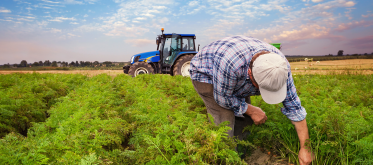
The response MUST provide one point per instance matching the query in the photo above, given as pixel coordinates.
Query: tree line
(24, 63)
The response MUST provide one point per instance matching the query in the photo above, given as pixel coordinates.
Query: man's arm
(297, 114)
(305, 155)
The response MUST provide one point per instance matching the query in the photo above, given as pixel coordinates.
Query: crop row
(26, 98)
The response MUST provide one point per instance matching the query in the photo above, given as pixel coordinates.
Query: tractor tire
(140, 68)
(182, 65)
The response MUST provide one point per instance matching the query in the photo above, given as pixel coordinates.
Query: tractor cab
(171, 46)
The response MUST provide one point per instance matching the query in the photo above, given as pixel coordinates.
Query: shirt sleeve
(225, 79)
(292, 105)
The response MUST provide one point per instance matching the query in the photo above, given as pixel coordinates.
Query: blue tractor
(173, 55)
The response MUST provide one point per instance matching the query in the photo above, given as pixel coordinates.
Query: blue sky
(114, 30)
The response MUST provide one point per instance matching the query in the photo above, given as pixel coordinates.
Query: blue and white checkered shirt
(225, 63)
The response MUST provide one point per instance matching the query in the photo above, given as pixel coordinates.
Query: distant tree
(76, 63)
(47, 63)
(347, 54)
(64, 64)
(23, 63)
(96, 64)
(35, 64)
(6, 65)
(72, 63)
(54, 64)
(82, 63)
(15, 65)
(107, 63)
(340, 53)
(40, 63)
(87, 63)
(365, 53)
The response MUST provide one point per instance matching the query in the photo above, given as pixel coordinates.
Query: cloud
(352, 25)
(140, 42)
(50, 1)
(3, 10)
(86, 15)
(362, 43)
(368, 15)
(220, 29)
(347, 13)
(275, 5)
(127, 31)
(73, 2)
(303, 32)
(90, 28)
(193, 3)
(145, 12)
(74, 23)
(61, 19)
(53, 30)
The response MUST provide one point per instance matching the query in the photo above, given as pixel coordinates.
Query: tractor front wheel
(140, 68)
(182, 65)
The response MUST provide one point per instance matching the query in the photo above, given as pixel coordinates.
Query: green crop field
(159, 119)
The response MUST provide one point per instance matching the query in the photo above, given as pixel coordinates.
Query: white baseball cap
(270, 71)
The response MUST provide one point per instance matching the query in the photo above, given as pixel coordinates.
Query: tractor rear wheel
(182, 65)
(140, 68)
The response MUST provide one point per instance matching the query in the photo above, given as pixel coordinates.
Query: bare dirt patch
(260, 158)
(84, 72)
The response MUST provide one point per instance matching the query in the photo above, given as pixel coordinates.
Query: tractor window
(166, 49)
(174, 50)
(188, 43)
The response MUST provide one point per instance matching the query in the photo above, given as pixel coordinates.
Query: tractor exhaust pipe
(162, 30)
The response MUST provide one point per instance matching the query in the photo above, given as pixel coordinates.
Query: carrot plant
(25, 98)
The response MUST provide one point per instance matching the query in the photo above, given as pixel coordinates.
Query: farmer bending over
(227, 72)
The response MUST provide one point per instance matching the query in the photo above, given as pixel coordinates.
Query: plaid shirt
(225, 63)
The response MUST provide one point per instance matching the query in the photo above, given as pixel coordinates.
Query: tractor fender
(180, 55)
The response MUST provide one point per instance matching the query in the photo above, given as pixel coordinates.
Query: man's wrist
(250, 109)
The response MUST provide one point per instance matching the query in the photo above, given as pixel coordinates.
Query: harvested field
(334, 65)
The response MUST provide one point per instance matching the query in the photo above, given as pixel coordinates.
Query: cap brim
(271, 97)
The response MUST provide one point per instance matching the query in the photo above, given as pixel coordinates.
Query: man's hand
(258, 116)
(304, 156)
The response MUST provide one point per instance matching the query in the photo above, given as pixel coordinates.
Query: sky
(114, 30)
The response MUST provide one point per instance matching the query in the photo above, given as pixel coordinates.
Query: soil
(260, 158)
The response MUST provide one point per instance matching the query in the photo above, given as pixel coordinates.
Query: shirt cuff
(242, 110)
(295, 115)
